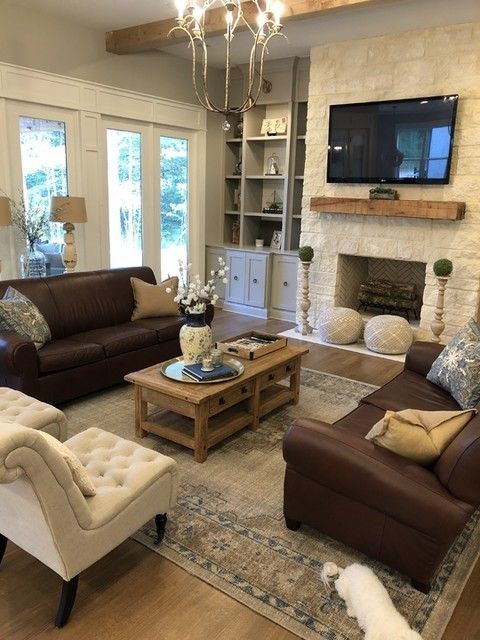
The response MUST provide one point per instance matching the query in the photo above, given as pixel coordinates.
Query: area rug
(228, 527)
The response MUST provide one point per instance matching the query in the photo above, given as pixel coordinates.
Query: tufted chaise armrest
(25, 451)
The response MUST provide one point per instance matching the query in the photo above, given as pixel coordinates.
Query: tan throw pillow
(421, 436)
(79, 474)
(153, 300)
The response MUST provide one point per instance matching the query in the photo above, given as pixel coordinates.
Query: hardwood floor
(133, 593)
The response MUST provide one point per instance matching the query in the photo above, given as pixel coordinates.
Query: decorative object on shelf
(305, 255)
(274, 126)
(273, 205)
(68, 209)
(191, 21)
(276, 242)
(443, 270)
(236, 198)
(31, 225)
(238, 168)
(236, 232)
(239, 128)
(192, 298)
(383, 193)
(273, 165)
(259, 242)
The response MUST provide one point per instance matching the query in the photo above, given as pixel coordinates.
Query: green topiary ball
(442, 268)
(305, 254)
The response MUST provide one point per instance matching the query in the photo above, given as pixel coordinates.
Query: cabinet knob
(235, 277)
(285, 284)
(254, 281)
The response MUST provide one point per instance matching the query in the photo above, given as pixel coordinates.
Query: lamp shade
(68, 209)
(5, 213)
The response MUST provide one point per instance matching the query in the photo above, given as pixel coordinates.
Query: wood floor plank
(134, 594)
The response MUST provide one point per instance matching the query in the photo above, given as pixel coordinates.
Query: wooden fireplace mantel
(428, 209)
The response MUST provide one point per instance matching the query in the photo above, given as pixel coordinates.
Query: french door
(148, 196)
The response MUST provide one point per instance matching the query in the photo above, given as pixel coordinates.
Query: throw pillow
(153, 300)
(457, 368)
(19, 314)
(79, 474)
(421, 436)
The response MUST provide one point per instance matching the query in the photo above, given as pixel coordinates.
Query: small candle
(207, 363)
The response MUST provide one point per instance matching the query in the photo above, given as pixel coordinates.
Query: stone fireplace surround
(413, 64)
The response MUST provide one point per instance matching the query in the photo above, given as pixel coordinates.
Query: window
(44, 165)
(173, 203)
(124, 159)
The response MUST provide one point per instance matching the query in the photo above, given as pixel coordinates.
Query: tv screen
(395, 141)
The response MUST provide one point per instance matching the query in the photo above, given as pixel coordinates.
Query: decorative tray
(252, 345)
(173, 369)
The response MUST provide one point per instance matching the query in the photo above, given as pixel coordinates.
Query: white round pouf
(340, 325)
(388, 334)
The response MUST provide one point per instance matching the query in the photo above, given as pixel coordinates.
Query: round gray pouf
(340, 326)
(388, 334)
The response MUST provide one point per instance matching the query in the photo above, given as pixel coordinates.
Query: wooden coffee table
(199, 416)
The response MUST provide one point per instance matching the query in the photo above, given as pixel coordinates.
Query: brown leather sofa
(94, 342)
(388, 507)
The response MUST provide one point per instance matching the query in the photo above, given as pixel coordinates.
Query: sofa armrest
(18, 355)
(421, 356)
(354, 467)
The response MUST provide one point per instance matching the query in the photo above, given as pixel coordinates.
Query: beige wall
(41, 41)
(427, 62)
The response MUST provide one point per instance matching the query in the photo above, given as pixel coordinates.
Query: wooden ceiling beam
(153, 35)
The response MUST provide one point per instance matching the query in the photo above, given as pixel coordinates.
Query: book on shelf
(194, 371)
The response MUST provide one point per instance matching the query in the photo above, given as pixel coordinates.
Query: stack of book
(195, 372)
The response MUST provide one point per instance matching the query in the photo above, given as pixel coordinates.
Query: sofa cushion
(360, 420)
(457, 368)
(166, 328)
(18, 313)
(410, 390)
(154, 300)
(120, 338)
(68, 354)
(421, 436)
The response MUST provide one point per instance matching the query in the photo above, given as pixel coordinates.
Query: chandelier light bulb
(197, 14)
(181, 5)
(261, 19)
(226, 126)
(277, 10)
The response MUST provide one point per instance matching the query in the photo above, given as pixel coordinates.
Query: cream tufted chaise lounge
(43, 511)
(17, 407)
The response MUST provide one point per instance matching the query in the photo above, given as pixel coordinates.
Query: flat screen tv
(394, 141)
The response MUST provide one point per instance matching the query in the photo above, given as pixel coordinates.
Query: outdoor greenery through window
(44, 166)
(124, 157)
(173, 203)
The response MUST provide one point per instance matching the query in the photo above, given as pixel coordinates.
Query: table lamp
(68, 209)
(5, 215)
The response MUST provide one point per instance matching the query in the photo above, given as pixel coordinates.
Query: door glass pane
(173, 203)
(124, 159)
(44, 166)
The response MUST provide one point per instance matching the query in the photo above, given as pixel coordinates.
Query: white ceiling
(357, 23)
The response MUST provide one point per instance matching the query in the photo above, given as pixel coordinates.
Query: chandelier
(191, 21)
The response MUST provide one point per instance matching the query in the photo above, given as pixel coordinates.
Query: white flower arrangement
(193, 296)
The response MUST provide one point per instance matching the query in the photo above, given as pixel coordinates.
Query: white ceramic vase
(195, 338)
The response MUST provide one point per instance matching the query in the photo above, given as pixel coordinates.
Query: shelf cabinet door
(211, 264)
(284, 282)
(236, 276)
(256, 280)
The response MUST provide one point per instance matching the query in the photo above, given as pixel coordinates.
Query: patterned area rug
(228, 527)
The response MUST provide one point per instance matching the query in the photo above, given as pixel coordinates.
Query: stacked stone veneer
(418, 63)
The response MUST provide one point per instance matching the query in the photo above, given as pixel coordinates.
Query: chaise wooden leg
(293, 525)
(3, 546)
(67, 600)
(423, 587)
(161, 523)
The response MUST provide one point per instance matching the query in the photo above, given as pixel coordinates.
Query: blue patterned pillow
(19, 314)
(457, 368)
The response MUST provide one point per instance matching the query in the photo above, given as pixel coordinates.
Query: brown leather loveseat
(94, 342)
(388, 507)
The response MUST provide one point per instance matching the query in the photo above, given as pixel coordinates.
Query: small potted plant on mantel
(443, 270)
(383, 193)
(305, 255)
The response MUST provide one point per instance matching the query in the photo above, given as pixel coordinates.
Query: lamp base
(69, 249)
